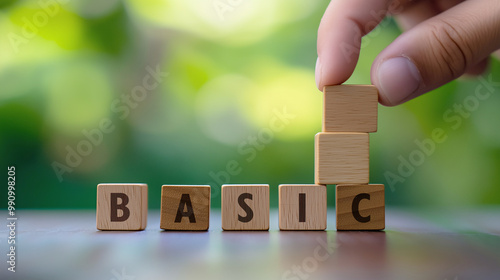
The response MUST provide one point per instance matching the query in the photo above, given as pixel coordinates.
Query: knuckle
(449, 48)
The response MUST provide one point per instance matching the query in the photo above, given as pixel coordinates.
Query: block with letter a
(185, 207)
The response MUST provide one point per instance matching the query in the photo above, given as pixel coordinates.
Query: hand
(443, 39)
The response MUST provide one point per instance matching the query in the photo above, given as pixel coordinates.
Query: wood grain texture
(245, 207)
(185, 207)
(350, 108)
(360, 207)
(341, 158)
(113, 194)
(302, 207)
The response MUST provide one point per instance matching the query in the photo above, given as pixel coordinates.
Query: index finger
(343, 25)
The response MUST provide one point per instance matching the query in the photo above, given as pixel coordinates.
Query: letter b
(122, 206)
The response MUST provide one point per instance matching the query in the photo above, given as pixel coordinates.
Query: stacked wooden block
(341, 158)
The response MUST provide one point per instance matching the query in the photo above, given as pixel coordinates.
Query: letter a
(185, 201)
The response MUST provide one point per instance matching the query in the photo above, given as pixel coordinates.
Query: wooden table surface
(425, 245)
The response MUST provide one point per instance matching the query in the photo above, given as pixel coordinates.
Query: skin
(442, 40)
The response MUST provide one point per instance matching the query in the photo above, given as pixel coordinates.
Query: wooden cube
(245, 207)
(341, 158)
(302, 207)
(122, 206)
(185, 207)
(360, 207)
(350, 108)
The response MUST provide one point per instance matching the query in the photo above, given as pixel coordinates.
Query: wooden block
(245, 207)
(350, 108)
(360, 207)
(185, 207)
(341, 158)
(302, 207)
(122, 206)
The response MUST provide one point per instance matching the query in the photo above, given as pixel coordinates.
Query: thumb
(437, 51)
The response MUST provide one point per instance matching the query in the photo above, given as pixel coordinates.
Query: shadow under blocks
(341, 159)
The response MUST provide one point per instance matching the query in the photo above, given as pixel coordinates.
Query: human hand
(443, 39)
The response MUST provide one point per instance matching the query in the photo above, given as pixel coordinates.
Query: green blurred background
(68, 66)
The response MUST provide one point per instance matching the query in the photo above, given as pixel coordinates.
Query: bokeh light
(227, 69)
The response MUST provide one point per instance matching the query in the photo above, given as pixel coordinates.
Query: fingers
(339, 37)
(437, 51)
(415, 14)
(423, 10)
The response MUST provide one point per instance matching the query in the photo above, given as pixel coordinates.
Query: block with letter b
(122, 206)
(245, 207)
(185, 207)
(360, 207)
(302, 207)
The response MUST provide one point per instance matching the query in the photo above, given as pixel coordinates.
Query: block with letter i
(360, 207)
(245, 207)
(302, 207)
(122, 206)
(185, 207)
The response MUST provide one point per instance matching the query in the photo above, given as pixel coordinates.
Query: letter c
(355, 208)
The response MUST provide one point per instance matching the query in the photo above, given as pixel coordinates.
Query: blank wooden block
(350, 108)
(341, 158)
(302, 207)
(185, 207)
(360, 207)
(245, 207)
(122, 206)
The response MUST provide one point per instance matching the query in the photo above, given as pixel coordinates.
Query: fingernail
(318, 73)
(398, 78)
